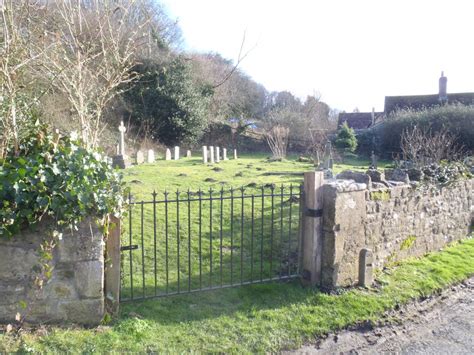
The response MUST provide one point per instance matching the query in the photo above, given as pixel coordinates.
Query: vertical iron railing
(206, 240)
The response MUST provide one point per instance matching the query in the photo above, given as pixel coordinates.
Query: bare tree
(93, 56)
(277, 139)
(422, 147)
(317, 148)
(18, 21)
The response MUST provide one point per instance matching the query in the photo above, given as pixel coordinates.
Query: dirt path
(443, 324)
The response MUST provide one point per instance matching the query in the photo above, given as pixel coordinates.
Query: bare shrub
(422, 147)
(318, 144)
(277, 139)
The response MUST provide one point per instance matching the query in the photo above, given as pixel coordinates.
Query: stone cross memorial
(176, 153)
(140, 157)
(151, 156)
(211, 150)
(122, 130)
(168, 154)
(120, 159)
(224, 154)
(218, 153)
(204, 154)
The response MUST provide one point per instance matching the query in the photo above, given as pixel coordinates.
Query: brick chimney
(443, 83)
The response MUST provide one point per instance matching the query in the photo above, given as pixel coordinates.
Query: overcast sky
(352, 52)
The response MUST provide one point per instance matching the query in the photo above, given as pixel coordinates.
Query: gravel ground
(442, 324)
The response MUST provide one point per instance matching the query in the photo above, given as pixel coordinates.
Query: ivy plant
(56, 177)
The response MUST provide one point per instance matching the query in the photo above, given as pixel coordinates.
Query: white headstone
(122, 130)
(151, 156)
(188, 154)
(224, 154)
(204, 154)
(218, 153)
(235, 153)
(140, 157)
(176, 153)
(211, 149)
(168, 154)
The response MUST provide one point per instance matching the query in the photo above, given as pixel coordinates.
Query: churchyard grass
(258, 318)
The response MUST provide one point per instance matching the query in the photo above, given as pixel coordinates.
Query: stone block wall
(75, 291)
(394, 222)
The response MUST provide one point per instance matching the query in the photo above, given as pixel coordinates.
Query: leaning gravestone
(176, 153)
(204, 154)
(224, 154)
(218, 153)
(168, 154)
(140, 157)
(211, 150)
(151, 156)
(188, 154)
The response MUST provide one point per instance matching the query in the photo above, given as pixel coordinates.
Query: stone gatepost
(312, 228)
(366, 268)
(211, 151)
(204, 154)
(218, 153)
(168, 154)
(176, 153)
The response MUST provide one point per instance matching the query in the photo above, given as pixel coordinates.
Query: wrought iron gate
(193, 241)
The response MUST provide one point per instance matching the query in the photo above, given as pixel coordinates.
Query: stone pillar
(211, 150)
(168, 154)
(235, 153)
(151, 156)
(218, 153)
(188, 154)
(176, 153)
(204, 154)
(224, 154)
(122, 130)
(312, 232)
(366, 268)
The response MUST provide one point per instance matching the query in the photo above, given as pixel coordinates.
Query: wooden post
(112, 266)
(311, 238)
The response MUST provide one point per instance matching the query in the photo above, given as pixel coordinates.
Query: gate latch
(129, 247)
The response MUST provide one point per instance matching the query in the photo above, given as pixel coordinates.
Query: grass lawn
(259, 318)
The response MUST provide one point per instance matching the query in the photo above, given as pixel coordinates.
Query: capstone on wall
(394, 222)
(75, 291)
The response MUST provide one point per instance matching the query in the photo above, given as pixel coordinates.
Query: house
(363, 120)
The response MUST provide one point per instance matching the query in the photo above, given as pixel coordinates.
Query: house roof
(418, 102)
(358, 120)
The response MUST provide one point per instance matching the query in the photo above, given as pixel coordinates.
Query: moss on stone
(408, 242)
(383, 195)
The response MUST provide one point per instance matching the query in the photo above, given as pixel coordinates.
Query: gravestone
(204, 154)
(218, 153)
(188, 154)
(224, 154)
(235, 153)
(120, 160)
(168, 154)
(151, 156)
(211, 150)
(373, 161)
(140, 157)
(176, 153)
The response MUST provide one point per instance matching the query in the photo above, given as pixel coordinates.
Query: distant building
(363, 120)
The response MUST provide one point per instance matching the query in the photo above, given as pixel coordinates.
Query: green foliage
(457, 119)
(346, 139)
(55, 177)
(408, 242)
(167, 102)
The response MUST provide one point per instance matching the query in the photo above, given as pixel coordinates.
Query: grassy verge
(259, 318)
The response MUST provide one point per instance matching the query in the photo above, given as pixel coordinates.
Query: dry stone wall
(394, 222)
(73, 294)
